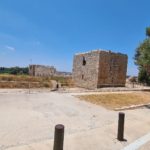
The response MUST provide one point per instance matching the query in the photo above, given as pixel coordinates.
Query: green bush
(143, 76)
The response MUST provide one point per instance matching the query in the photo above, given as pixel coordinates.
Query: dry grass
(65, 81)
(114, 100)
(24, 81)
(26, 78)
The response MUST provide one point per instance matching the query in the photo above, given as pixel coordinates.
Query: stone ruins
(40, 70)
(100, 68)
(46, 71)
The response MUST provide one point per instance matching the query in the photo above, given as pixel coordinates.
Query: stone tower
(100, 68)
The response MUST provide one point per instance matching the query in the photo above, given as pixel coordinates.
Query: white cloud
(10, 48)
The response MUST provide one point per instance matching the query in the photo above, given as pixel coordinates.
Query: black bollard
(59, 137)
(120, 135)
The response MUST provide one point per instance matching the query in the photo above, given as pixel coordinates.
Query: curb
(131, 107)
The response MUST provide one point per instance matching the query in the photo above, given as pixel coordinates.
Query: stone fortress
(100, 68)
(41, 70)
(46, 71)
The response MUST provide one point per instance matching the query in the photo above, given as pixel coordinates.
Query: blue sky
(50, 32)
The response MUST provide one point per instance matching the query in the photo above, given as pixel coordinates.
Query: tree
(14, 70)
(143, 76)
(148, 31)
(142, 59)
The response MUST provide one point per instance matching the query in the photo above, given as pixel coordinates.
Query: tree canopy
(14, 70)
(142, 58)
(148, 31)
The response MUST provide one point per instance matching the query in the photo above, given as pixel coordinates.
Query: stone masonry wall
(86, 75)
(112, 69)
(40, 70)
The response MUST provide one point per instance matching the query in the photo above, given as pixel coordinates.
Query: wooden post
(59, 137)
(29, 87)
(120, 135)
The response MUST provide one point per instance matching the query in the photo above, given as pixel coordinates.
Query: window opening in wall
(82, 76)
(84, 61)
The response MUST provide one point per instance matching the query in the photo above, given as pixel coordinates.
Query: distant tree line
(14, 70)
